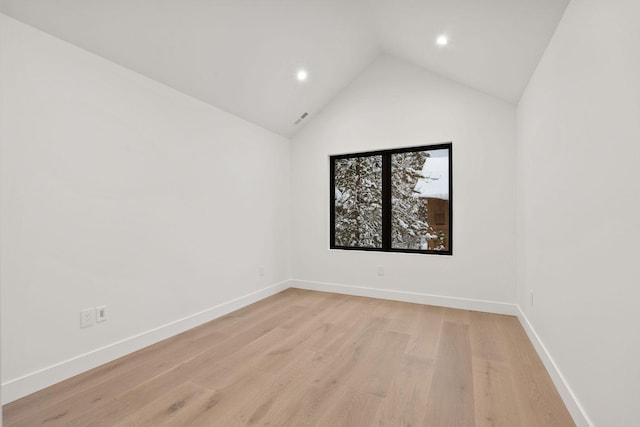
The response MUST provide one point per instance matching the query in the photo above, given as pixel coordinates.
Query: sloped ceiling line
(242, 55)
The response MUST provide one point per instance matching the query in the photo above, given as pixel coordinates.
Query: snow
(436, 181)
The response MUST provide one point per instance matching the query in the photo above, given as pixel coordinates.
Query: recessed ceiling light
(302, 75)
(442, 40)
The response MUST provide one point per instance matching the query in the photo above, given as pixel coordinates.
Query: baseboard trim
(413, 297)
(38, 380)
(570, 400)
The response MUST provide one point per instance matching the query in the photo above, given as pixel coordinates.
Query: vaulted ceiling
(243, 55)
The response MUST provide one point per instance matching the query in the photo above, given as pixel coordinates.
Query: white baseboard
(566, 393)
(414, 297)
(30, 383)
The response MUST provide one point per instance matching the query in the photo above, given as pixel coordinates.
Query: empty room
(319, 213)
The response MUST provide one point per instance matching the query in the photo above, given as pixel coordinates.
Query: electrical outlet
(381, 270)
(87, 317)
(101, 314)
(261, 270)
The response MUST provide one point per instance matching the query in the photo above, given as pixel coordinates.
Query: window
(393, 200)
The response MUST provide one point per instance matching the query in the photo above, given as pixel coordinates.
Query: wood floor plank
(425, 332)
(324, 384)
(406, 402)
(169, 409)
(451, 402)
(403, 316)
(492, 375)
(266, 405)
(231, 398)
(210, 371)
(315, 308)
(537, 399)
(351, 408)
(249, 315)
(493, 394)
(304, 358)
(130, 401)
(486, 338)
(374, 373)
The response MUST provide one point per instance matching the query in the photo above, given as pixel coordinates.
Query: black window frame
(386, 199)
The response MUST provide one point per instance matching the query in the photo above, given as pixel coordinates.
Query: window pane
(420, 200)
(358, 202)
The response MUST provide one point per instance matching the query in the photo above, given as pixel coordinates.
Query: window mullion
(386, 201)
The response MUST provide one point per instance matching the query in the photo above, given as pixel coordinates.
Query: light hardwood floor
(303, 358)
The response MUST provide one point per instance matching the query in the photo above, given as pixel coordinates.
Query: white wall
(578, 209)
(393, 104)
(117, 190)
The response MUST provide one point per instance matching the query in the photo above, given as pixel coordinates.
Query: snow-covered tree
(358, 201)
(408, 220)
(410, 228)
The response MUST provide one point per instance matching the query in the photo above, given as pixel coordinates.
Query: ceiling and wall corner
(242, 55)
